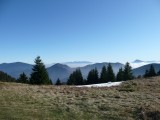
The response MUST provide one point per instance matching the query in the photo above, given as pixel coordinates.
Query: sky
(79, 30)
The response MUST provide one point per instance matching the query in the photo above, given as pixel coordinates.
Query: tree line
(107, 75)
(39, 75)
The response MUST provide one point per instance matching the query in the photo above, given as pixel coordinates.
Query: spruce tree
(39, 76)
(23, 78)
(120, 75)
(146, 74)
(152, 71)
(71, 80)
(79, 77)
(58, 82)
(93, 77)
(103, 76)
(75, 78)
(90, 77)
(96, 76)
(110, 74)
(128, 72)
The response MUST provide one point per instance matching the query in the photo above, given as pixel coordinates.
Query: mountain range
(15, 69)
(138, 63)
(141, 70)
(73, 64)
(63, 71)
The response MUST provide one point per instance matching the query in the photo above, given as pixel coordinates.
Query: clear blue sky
(71, 30)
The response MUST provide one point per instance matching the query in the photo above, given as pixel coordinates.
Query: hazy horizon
(83, 30)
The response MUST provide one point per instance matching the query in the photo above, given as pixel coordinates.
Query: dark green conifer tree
(39, 76)
(71, 80)
(75, 78)
(120, 75)
(93, 77)
(110, 74)
(96, 76)
(152, 71)
(146, 74)
(23, 78)
(79, 77)
(103, 76)
(128, 75)
(58, 82)
(90, 77)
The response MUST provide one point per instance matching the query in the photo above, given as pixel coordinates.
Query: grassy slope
(138, 99)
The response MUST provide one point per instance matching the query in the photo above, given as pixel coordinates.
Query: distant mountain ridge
(141, 70)
(56, 71)
(78, 62)
(59, 71)
(73, 64)
(15, 69)
(63, 71)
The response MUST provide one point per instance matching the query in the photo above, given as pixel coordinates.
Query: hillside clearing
(136, 99)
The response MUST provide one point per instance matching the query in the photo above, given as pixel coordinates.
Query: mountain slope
(63, 71)
(141, 70)
(4, 77)
(59, 71)
(15, 69)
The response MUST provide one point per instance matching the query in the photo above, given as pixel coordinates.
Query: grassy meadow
(132, 100)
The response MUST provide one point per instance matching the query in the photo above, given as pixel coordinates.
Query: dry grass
(138, 99)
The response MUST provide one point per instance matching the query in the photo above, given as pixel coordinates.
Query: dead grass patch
(138, 99)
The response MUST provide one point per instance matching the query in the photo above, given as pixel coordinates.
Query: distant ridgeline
(4, 77)
(62, 74)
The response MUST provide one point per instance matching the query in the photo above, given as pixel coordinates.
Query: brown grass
(137, 99)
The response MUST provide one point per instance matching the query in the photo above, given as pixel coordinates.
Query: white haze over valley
(75, 64)
(142, 63)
